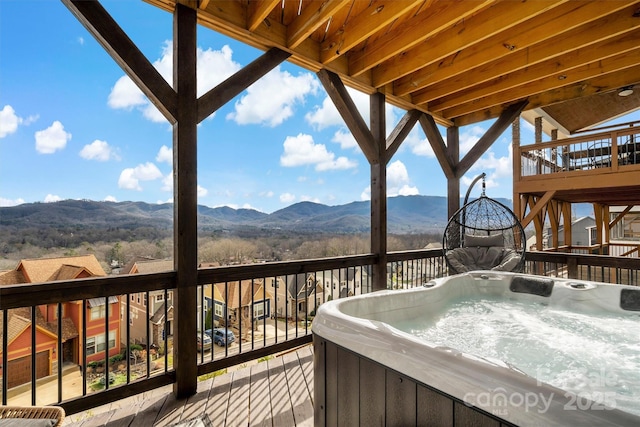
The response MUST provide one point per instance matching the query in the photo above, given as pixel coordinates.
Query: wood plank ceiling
(462, 61)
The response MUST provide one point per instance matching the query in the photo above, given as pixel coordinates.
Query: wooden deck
(277, 392)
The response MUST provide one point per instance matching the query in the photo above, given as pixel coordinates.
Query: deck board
(273, 393)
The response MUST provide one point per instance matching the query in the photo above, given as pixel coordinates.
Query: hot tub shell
(368, 373)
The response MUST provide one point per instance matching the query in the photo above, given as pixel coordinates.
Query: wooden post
(379, 191)
(517, 167)
(453, 183)
(185, 236)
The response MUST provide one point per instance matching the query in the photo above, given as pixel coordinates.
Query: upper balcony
(599, 167)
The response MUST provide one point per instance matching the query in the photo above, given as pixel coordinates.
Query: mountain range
(405, 215)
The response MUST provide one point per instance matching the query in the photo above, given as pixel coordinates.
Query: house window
(138, 299)
(258, 310)
(357, 284)
(133, 298)
(97, 343)
(99, 311)
(218, 309)
(144, 302)
(159, 297)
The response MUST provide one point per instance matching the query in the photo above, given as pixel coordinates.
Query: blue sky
(73, 126)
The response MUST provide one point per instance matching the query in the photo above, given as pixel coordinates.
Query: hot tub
(370, 368)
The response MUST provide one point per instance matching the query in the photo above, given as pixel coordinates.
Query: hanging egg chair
(484, 234)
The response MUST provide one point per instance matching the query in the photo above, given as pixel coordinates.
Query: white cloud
(267, 194)
(52, 139)
(324, 116)
(8, 202)
(398, 182)
(110, 199)
(469, 137)
(9, 121)
(126, 95)
(287, 198)
(300, 150)
(202, 191)
(130, 178)
(165, 154)
(52, 198)
(167, 182)
(98, 150)
(345, 139)
(81, 41)
(214, 66)
(418, 146)
(271, 100)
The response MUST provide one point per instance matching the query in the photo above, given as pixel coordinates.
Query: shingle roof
(147, 266)
(12, 277)
(48, 269)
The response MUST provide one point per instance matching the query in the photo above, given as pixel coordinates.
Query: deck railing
(614, 149)
(268, 307)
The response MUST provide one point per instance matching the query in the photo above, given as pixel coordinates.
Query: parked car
(221, 336)
(204, 342)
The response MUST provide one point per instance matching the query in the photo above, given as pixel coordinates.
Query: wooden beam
(498, 76)
(430, 129)
(350, 114)
(620, 216)
(436, 17)
(234, 85)
(548, 35)
(533, 81)
(316, 14)
(490, 21)
(400, 132)
(258, 12)
(506, 118)
(379, 192)
(119, 46)
(577, 90)
(185, 202)
(538, 207)
(378, 14)
(453, 182)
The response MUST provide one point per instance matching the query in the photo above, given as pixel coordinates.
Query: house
(47, 328)
(240, 302)
(147, 306)
(297, 294)
(343, 282)
(582, 233)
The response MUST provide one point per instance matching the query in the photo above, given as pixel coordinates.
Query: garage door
(19, 370)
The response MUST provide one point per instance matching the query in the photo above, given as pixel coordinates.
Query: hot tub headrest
(532, 285)
(630, 299)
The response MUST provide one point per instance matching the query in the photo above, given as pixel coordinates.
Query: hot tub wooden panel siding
(352, 390)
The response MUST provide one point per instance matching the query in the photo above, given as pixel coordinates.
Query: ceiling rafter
(494, 20)
(436, 18)
(258, 12)
(379, 13)
(503, 45)
(582, 75)
(555, 54)
(310, 19)
(461, 61)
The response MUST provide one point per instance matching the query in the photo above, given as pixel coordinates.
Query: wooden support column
(185, 202)
(516, 166)
(378, 152)
(453, 183)
(379, 192)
